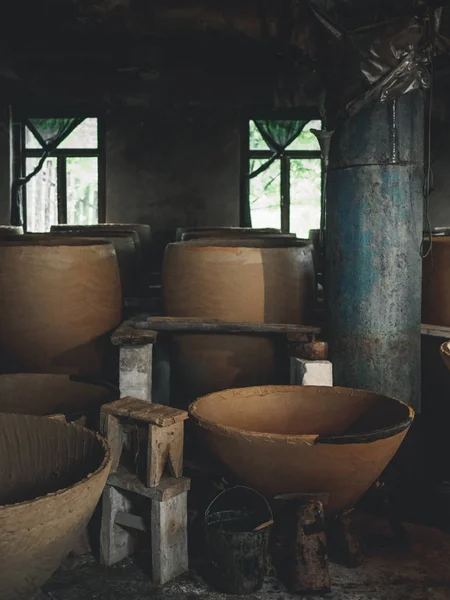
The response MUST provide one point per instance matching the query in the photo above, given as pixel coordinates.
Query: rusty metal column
(373, 237)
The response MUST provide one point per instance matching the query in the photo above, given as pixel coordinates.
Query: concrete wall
(173, 168)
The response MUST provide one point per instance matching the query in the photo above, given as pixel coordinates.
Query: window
(287, 194)
(68, 187)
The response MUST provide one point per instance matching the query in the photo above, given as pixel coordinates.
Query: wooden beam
(196, 325)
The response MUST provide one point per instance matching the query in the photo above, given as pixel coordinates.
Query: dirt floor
(390, 571)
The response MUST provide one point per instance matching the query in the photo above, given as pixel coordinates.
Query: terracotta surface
(436, 283)
(255, 280)
(286, 439)
(10, 230)
(59, 300)
(208, 363)
(47, 394)
(128, 252)
(239, 281)
(51, 478)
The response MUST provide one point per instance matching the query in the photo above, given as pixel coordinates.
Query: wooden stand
(136, 336)
(165, 434)
(305, 552)
(164, 497)
(165, 520)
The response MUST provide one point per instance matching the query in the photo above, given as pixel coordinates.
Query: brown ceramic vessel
(128, 252)
(254, 280)
(43, 394)
(296, 439)
(59, 300)
(51, 477)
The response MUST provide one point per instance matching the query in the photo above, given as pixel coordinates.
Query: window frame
(61, 155)
(247, 154)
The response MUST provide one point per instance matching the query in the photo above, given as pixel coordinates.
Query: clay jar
(436, 283)
(59, 300)
(126, 245)
(143, 240)
(42, 394)
(51, 477)
(254, 280)
(295, 439)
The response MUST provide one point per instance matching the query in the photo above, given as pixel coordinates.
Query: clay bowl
(41, 394)
(445, 353)
(291, 439)
(51, 477)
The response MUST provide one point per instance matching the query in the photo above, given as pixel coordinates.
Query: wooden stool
(165, 434)
(165, 520)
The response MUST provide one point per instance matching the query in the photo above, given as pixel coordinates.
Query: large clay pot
(293, 439)
(59, 300)
(41, 394)
(51, 477)
(436, 283)
(256, 281)
(7, 231)
(142, 230)
(128, 252)
(185, 233)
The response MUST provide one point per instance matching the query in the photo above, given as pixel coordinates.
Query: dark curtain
(50, 133)
(278, 135)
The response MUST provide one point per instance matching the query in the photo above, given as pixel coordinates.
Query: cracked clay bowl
(51, 477)
(291, 439)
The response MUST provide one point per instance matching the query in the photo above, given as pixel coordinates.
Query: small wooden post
(116, 543)
(169, 538)
(309, 572)
(305, 552)
(135, 375)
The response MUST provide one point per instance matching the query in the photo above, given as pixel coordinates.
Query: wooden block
(169, 538)
(165, 447)
(346, 541)
(116, 543)
(139, 410)
(126, 334)
(311, 372)
(135, 371)
(168, 486)
(309, 570)
(113, 432)
(435, 331)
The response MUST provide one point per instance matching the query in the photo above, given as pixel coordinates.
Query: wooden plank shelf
(196, 325)
(435, 331)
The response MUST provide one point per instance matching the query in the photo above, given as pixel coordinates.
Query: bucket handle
(242, 487)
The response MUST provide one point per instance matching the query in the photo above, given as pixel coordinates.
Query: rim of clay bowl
(267, 243)
(59, 492)
(44, 239)
(352, 438)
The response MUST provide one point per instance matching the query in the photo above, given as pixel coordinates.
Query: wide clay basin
(40, 394)
(287, 439)
(51, 477)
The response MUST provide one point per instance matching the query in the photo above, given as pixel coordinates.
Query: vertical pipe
(373, 262)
